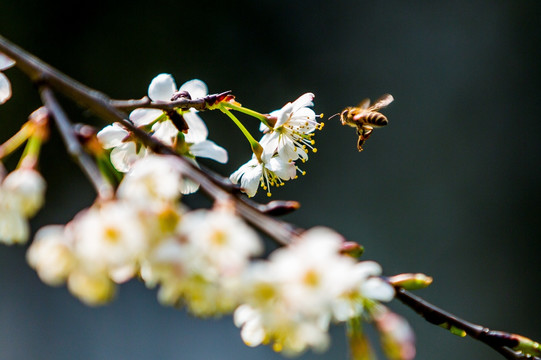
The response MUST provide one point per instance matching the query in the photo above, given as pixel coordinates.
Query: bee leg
(360, 143)
(366, 131)
(361, 140)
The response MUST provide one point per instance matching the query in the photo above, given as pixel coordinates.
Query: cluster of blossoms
(195, 256)
(288, 134)
(293, 296)
(203, 259)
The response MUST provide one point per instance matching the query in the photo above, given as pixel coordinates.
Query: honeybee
(366, 117)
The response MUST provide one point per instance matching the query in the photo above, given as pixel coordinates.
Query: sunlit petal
(162, 88)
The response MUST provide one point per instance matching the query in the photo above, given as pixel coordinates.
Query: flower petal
(196, 88)
(209, 149)
(141, 117)
(165, 131)
(5, 89)
(123, 156)
(197, 130)
(303, 101)
(112, 135)
(162, 88)
(5, 62)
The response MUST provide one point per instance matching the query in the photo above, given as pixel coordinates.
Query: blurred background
(450, 188)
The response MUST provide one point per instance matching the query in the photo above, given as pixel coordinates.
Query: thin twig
(500, 341)
(182, 103)
(74, 148)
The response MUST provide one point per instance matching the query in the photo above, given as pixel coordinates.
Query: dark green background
(450, 188)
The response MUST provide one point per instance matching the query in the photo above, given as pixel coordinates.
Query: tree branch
(183, 103)
(503, 342)
(74, 148)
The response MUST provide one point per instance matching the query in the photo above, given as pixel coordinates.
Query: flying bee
(365, 117)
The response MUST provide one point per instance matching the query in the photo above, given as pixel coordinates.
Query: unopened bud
(279, 207)
(396, 335)
(87, 136)
(352, 249)
(411, 281)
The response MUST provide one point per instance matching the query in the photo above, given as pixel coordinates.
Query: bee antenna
(333, 116)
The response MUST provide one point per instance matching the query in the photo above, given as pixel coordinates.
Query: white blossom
(155, 178)
(110, 237)
(162, 89)
(14, 228)
(22, 193)
(92, 288)
(292, 133)
(270, 171)
(5, 85)
(51, 255)
(25, 189)
(124, 151)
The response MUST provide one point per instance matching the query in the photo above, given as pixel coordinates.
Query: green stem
(31, 151)
(256, 147)
(15, 141)
(250, 112)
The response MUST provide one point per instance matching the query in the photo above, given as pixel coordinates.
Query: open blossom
(124, 151)
(5, 85)
(110, 236)
(270, 171)
(292, 133)
(163, 89)
(202, 265)
(292, 298)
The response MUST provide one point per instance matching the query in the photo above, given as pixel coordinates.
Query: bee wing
(382, 102)
(364, 104)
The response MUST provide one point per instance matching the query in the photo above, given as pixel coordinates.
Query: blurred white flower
(22, 194)
(152, 179)
(51, 255)
(25, 189)
(14, 228)
(92, 288)
(109, 237)
(5, 85)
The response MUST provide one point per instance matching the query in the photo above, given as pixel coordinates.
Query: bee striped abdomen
(374, 118)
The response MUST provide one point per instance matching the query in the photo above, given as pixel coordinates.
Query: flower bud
(411, 281)
(26, 189)
(92, 289)
(396, 335)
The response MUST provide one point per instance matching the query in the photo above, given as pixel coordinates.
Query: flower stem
(256, 147)
(247, 111)
(15, 141)
(31, 152)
